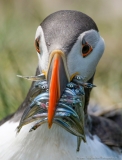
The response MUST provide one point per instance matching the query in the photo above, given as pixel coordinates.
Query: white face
(86, 66)
(76, 61)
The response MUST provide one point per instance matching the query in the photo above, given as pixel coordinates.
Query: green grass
(18, 23)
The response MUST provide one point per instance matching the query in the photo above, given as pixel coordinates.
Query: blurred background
(18, 24)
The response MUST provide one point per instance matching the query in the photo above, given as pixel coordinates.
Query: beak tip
(49, 124)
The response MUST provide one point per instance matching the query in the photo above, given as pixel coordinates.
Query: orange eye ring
(37, 40)
(86, 49)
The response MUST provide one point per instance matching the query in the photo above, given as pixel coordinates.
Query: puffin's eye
(86, 49)
(37, 40)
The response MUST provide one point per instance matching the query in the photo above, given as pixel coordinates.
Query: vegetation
(18, 23)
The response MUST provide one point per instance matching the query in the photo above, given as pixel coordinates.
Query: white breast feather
(45, 144)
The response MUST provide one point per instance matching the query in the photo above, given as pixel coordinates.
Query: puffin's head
(68, 44)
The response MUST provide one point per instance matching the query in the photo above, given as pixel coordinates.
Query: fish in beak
(57, 78)
(57, 97)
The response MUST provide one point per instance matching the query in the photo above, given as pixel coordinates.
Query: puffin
(53, 122)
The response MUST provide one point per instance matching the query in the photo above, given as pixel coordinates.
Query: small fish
(33, 78)
(70, 108)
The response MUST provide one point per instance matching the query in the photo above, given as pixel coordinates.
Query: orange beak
(57, 77)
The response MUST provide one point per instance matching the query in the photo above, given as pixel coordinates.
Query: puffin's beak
(57, 77)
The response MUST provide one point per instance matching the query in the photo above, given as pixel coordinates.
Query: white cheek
(44, 55)
(84, 66)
